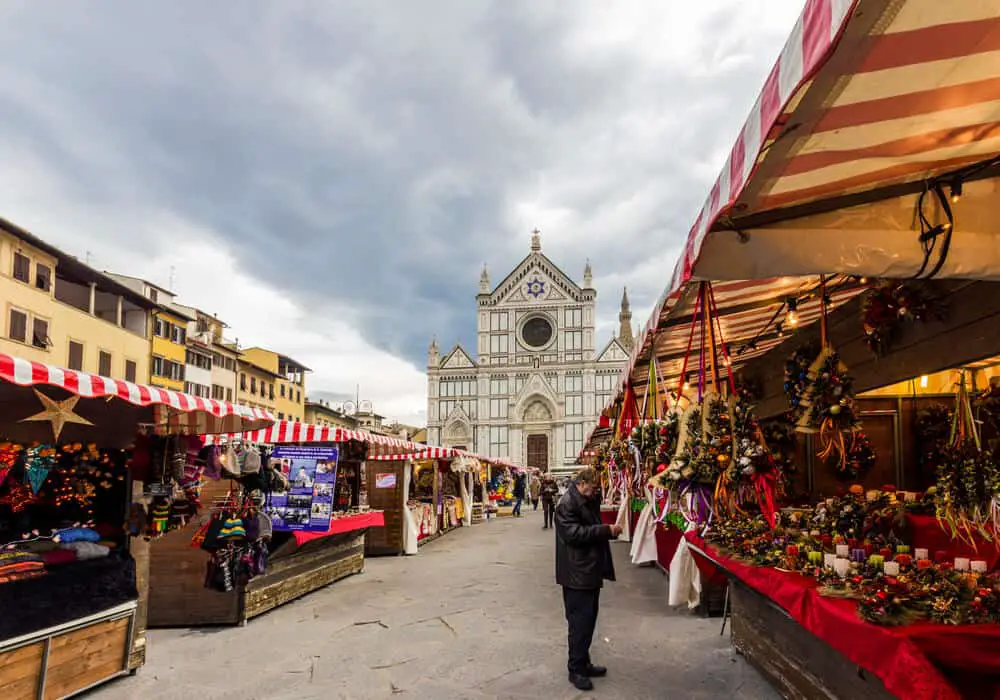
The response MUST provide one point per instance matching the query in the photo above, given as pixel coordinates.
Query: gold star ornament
(59, 413)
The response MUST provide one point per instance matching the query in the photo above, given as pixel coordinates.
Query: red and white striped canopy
(871, 104)
(171, 411)
(428, 453)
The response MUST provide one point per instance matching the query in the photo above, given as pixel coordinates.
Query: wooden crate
(65, 660)
(796, 662)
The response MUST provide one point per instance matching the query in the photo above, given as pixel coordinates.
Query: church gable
(536, 278)
(535, 386)
(613, 352)
(457, 359)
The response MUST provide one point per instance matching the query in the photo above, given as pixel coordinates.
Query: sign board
(312, 473)
(385, 481)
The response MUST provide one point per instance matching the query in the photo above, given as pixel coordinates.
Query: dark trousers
(581, 617)
(549, 511)
(534, 503)
(517, 507)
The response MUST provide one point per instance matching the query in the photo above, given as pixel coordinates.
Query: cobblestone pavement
(474, 615)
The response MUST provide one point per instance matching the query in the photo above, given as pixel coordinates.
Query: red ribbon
(766, 487)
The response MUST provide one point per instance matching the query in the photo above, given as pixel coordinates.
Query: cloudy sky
(330, 177)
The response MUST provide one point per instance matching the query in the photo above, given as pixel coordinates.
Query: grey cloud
(378, 153)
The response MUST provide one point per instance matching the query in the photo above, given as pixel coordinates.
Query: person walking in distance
(534, 490)
(583, 563)
(549, 494)
(518, 495)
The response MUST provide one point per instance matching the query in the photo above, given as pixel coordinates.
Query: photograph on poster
(307, 505)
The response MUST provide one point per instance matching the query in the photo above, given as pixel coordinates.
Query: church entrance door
(538, 452)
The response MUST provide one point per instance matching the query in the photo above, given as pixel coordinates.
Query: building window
(40, 333)
(177, 334)
(499, 321)
(498, 408)
(43, 277)
(519, 383)
(218, 392)
(298, 396)
(22, 267)
(498, 386)
(281, 416)
(229, 395)
(499, 344)
(104, 363)
(574, 340)
(75, 359)
(157, 366)
(605, 384)
(574, 440)
(17, 328)
(574, 318)
(270, 392)
(152, 295)
(574, 405)
(161, 329)
(498, 441)
(130, 371)
(253, 385)
(282, 391)
(243, 382)
(574, 383)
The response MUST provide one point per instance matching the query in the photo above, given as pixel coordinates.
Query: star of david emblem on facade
(536, 287)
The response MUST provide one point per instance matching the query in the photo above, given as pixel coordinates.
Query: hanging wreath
(888, 307)
(797, 375)
(968, 484)
(828, 408)
(861, 457)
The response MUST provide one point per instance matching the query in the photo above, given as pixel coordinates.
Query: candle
(817, 558)
(924, 563)
(852, 542)
(886, 552)
(843, 550)
(891, 568)
(829, 560)
(792, 550)
(842, 567)
(910, 496)
(876, 560)
(869, 548)
(904, 560)
(921, 553)
(978, 565)
(902, 549)
(962, 563)
(858, 555)
(871, 495)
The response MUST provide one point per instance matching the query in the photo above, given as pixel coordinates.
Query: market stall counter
(79, 495)
(309, 513)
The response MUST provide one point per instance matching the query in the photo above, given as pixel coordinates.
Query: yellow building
(256, 386)
(287, 387)
(168, 351)
(59, 311)
(322, 413)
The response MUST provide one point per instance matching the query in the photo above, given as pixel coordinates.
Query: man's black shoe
(581, 682)
(596, 671)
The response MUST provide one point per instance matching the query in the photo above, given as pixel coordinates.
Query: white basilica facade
(537, 379)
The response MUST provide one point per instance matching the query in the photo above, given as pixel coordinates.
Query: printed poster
(385, 481)
(312, 473)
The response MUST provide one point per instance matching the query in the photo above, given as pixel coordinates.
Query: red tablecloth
(925, 531)
(922, 661)
(609, 517)
(358, 521)
(667, 539)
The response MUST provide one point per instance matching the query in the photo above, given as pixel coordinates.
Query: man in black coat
(583, 562)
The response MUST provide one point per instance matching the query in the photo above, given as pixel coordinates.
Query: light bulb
(956, 191)
(923, 381)
(792, 318)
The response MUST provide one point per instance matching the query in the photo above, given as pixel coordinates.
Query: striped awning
(879, 122)
(425, 454)
(172, 412)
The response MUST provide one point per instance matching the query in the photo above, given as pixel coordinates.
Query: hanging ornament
(58, 413)
(38, 462)
(828, 408)
(888, 307)
(9, 453)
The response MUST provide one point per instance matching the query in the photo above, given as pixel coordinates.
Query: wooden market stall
(299, 561)
(79, 458)
(867, 168)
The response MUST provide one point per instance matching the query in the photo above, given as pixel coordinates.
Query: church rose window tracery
(536, 332)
